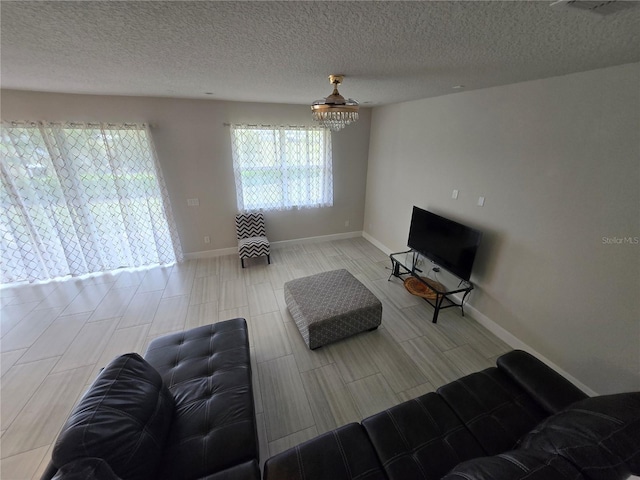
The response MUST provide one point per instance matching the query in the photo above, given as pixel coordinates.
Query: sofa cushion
(599, 435)
(244, 471)
(421, 438)
(86, 469)
(516, 465)
(208, 371)
(494, 409)
(342, 454)
(123, 418)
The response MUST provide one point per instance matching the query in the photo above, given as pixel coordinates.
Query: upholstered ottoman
(331, 306)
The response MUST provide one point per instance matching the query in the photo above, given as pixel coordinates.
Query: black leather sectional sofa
(186, 412)
(519, 420)
(183, 412)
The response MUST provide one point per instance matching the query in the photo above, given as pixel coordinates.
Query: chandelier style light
(334, 112)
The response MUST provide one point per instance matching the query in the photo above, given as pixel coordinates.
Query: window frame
(310, 148)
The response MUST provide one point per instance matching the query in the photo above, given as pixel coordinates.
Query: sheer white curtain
(81, 198)
(280, 168)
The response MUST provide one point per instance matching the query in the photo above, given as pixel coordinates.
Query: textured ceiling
(283, 51)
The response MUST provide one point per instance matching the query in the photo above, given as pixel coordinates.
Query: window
(279, 168)
(79, 198)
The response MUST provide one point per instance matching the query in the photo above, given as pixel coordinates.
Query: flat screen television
(449, 244)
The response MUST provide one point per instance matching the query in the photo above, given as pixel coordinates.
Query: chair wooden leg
(269, 259)
(242, 262)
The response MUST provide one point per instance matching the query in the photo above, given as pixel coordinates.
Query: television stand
(434, 293)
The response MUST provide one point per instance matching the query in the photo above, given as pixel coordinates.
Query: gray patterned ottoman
(331, 306)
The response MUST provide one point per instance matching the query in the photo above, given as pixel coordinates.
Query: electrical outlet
(193, 202)
(207, 239)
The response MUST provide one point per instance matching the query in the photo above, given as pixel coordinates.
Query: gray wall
(558, 161)
(194, 149)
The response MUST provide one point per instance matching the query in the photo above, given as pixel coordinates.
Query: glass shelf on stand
(438, 295)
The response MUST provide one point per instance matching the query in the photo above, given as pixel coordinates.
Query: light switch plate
(481, 201)
(193, 202)
(454, 194)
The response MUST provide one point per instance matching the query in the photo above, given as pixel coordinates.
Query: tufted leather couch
(517, 420)
(184, 412)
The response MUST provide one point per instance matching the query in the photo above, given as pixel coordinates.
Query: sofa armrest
(548, 388)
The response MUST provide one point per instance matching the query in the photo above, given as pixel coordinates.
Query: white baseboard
(321, 238)
(211, 253)
(282, 243)
(376, 243)
(511, 340)
(500, 332)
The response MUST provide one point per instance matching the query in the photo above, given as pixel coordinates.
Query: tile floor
(56, 336)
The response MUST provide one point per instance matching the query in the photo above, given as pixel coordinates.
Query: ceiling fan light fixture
(335, 112)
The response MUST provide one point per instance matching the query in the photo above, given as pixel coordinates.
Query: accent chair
(252, 237)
